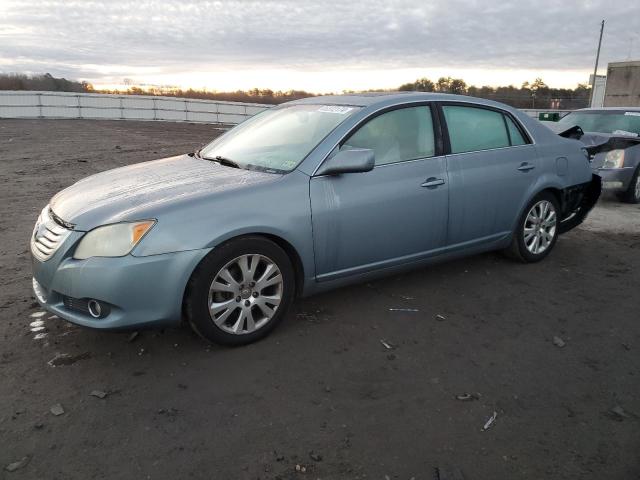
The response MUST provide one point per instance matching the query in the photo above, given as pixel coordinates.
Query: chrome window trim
(401, 162)
(407, 161)
(615, 168)
(488, 150)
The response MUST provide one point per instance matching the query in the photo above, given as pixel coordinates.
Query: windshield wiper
(226, 161)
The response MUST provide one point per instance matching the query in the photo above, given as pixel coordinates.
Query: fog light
(39, 291)
(95, 309)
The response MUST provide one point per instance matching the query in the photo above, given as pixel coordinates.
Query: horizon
(358, 80)
(229, 46)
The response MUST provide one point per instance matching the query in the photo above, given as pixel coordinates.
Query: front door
(394, 214)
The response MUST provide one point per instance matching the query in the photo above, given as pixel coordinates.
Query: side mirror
(357, 160)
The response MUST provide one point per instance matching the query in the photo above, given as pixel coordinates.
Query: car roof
(389, 98)
(378, 100)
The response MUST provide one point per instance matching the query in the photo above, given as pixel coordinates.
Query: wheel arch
(294, 256)
(556, 192)
(553, 187)
(287, 246)
(575, 201)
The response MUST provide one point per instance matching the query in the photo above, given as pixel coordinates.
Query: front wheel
(537, 229)
(240, 291)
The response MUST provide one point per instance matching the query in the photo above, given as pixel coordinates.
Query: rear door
(492, 165)
(393, 214)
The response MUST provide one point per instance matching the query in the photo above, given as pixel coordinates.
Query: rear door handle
(526, 166)
(432, 182)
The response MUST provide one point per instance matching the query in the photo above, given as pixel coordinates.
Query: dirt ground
(323, 397)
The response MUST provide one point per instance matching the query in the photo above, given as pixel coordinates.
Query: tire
(523, 246)
(254, 287)
(632, 195)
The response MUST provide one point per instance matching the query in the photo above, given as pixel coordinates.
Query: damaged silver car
(612, 135)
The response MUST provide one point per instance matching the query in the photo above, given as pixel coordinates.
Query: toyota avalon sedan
(302, 198)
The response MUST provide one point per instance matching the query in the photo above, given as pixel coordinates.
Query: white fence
(27, 104)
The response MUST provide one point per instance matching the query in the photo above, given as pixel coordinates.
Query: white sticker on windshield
(335, 109)
(634, 114)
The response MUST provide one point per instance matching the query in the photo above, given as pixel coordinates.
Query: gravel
(397, 418)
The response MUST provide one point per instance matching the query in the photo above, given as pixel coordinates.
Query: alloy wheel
(245, 294)
(540, 227)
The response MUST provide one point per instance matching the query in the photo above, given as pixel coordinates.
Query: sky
(315, 45)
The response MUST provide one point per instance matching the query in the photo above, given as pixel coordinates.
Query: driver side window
(396, 136)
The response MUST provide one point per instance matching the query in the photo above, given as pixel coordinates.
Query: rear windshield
(618, 122)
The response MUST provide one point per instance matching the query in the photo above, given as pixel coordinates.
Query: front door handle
(526, 166)
(432, 182)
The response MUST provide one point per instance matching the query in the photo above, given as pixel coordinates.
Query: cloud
(95, 40)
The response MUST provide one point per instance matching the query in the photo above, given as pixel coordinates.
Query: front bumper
(616, 179)
(136, 291)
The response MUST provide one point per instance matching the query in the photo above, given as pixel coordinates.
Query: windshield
(277, 140)
(617, 122)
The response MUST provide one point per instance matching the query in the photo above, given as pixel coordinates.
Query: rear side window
(471, 129)
(514, 132)
(396, 136)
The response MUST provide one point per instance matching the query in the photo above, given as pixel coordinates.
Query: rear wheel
(537, 229)
(632, 195)
(240, 291)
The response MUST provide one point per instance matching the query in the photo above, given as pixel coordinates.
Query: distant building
(622, 85)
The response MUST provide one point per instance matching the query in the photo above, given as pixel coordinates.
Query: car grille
(47, 236)
(77, 304)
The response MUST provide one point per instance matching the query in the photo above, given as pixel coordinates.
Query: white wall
(28, 104)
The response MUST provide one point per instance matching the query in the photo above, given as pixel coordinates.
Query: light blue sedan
(302, 198)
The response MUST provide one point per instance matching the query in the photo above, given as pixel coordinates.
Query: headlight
(614, 159)
(112, 240)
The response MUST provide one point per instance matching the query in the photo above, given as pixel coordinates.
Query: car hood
(140, 191)
(599, 138)
(597, 144)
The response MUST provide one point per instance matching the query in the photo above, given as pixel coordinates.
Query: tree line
(536, 94)
(255, 95)
(45, 82)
